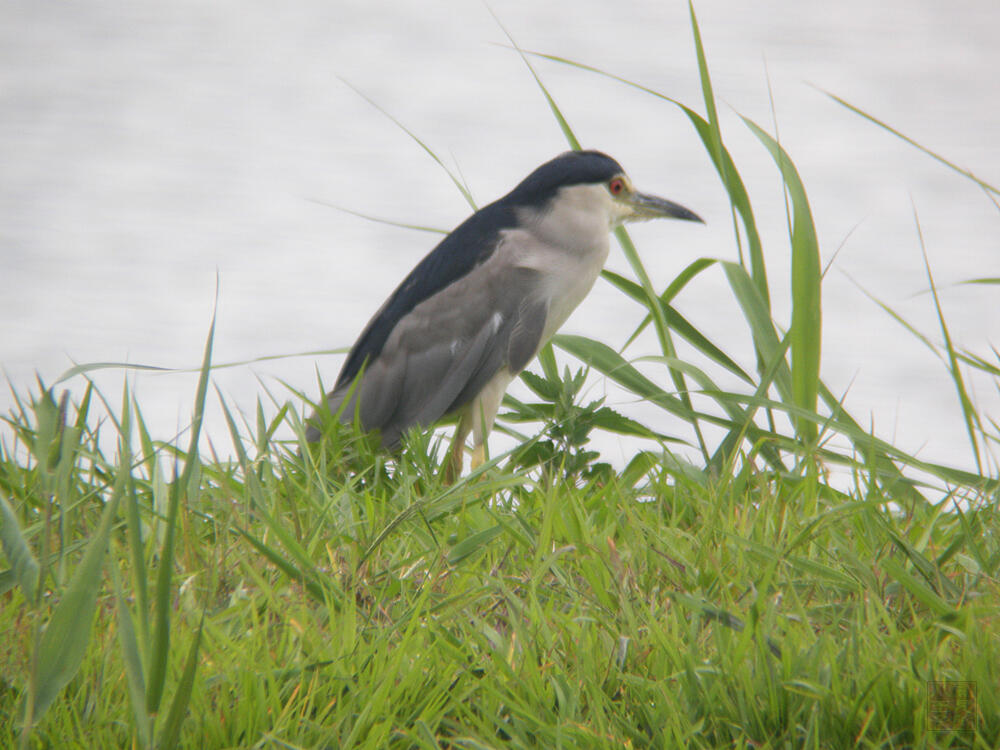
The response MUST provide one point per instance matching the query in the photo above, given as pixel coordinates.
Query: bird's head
(595, 184)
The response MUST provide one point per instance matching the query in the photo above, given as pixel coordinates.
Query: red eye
(616, 186)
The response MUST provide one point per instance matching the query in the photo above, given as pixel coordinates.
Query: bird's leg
(478, 456)
(476, 418)
(456, 455)
(481, 427)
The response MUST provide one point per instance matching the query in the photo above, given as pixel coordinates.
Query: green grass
(750, 596)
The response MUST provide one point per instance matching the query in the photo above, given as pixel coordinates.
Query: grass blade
(724, 165)
(182, 486)
(711, 136)
(758, 317)
(951, 165)
(969, 415)
(612, 364)
(675, 286)
(652, 303)
(24, 566)
(556, 112)
(64, 642)
(472, 544)
(133, 665)
(182, 697)
(462, 188)
(920, 590)
(678, 323)
(805, 331)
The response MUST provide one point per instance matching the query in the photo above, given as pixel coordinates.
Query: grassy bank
(157, 594)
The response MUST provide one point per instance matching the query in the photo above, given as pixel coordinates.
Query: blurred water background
(148, 148)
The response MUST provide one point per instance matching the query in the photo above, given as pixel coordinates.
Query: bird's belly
(567, 290)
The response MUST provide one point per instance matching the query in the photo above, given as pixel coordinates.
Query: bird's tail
(329, 409)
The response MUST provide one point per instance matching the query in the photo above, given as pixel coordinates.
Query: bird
(477, 309)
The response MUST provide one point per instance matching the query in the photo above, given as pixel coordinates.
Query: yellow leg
(456, 455)
(477, 418)
(478, 456)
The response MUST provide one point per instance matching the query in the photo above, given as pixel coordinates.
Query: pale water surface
(148, 148)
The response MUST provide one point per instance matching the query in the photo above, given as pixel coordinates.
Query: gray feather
(526, 334)
(442, 353)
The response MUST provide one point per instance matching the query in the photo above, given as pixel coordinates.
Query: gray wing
(442, 353)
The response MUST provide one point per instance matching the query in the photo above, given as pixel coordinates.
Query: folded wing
(442, 353)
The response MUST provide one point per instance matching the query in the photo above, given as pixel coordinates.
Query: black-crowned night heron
(477, 309)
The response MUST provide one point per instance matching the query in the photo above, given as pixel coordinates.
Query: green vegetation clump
(772, 590)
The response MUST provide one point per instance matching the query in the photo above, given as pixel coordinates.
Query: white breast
(569, 246)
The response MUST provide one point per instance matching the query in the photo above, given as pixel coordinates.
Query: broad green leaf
(544, 388)
(471, 544)
(805, 331)
(65, 639)
(919, 590)
(610, 420)
(24, 566)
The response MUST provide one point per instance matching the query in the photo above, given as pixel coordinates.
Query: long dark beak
(651, 207)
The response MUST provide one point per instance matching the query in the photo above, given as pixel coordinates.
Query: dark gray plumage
(475, 311)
